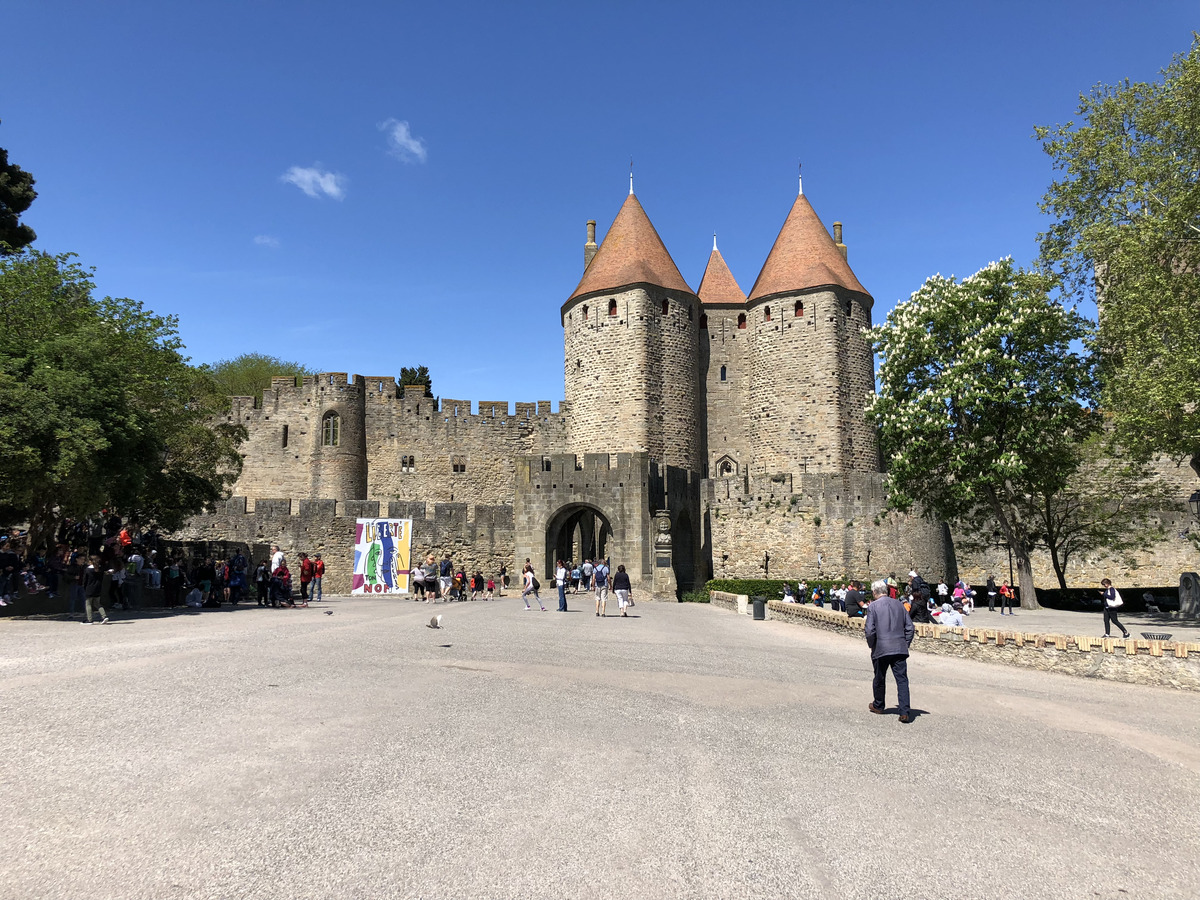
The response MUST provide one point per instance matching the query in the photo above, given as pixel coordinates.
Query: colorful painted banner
(382, 550)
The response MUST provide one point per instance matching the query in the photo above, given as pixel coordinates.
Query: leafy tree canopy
(1126, 230)
(416, 375)
(981, 398)
(250, 374)
(16, 195)
(98, 408)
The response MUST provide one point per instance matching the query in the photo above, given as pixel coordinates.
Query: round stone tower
(811, 369)
(338, 433)
(631, 341)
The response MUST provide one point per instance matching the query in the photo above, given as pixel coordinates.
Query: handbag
(1116, 600)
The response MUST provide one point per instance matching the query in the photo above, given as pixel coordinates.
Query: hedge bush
(771, 588)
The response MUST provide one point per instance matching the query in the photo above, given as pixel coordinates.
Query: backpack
(445, 568)
(601, 573)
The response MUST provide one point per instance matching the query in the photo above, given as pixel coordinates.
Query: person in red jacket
(318, 574)
(306, 577)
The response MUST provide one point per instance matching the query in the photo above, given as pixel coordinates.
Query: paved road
(686, 753)
(1056, 621)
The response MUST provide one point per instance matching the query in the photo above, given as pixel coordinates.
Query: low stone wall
(1173, 664)
(737, 603)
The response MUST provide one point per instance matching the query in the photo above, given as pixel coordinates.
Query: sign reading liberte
(382, 551)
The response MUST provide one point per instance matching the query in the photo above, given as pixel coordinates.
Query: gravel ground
(683, 753)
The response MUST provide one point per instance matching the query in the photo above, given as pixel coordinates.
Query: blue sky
(444, 157)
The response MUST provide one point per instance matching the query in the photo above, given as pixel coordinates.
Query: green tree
(416, 375)
(250, 374)
(1126, 230)
(16, 195)
(98, 408)
(980, 402)
(1111, 503)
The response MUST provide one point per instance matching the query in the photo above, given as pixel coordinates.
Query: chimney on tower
(589, 249)
(837, 240)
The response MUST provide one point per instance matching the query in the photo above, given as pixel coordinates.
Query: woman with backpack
(531, 587)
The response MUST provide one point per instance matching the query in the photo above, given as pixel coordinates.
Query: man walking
(445, 578)
(889, 632)
(318, 576)
(991, 592)
(600, 586)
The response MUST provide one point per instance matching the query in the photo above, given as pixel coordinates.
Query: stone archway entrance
(683, 552)
(575, 533)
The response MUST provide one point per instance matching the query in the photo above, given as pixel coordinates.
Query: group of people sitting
(940, 604)
(850, 597)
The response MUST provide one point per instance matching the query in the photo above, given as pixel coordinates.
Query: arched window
(849, 307)
(331, 429)
(666, 307)
(612, 307)
(767, 314)
(741, 320)
(585, 312)
(722, 373)
(799, 308)
(704, 321)
(285, 435)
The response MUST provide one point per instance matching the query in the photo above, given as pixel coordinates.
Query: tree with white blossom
(983, 394)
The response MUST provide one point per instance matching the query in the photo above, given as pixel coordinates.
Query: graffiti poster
(382, 550)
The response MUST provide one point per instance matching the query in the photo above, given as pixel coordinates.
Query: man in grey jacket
(889, 632)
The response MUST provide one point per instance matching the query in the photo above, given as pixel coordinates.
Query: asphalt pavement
(682, 752)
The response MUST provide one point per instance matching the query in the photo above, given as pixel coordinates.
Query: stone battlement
(441, 514)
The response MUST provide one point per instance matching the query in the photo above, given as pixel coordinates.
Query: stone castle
(704, 433)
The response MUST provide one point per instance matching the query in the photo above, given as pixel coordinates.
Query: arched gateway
(577, 532)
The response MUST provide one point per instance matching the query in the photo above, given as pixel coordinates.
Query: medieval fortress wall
(703, 433)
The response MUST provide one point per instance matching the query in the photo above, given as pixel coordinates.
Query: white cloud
(401, 143)
(266, 240)
(315, 182)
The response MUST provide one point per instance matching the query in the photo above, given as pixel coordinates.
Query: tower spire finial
(714, 240)
(631, 175)
(800, 177)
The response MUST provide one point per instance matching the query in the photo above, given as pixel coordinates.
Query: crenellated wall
(390, 446)
(814, 524)
(478, 536)
(436, 438)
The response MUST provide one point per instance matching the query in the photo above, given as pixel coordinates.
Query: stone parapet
(1173, 664)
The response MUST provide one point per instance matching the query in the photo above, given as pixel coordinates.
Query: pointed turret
(631, 253)
(718, 284)
(804, 257)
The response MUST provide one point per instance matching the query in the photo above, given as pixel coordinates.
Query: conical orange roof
(631, 253)
(718, 284)
(804, 256)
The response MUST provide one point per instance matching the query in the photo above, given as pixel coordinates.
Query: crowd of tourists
(107, 563)
(939, 604)
(435, 580)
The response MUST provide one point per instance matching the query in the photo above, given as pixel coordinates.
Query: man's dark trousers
(899, 667)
